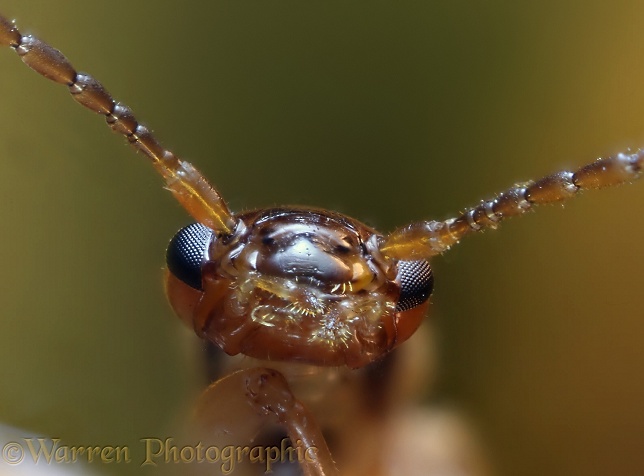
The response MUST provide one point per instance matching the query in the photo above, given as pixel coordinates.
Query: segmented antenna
(185, 182)
(422, 240)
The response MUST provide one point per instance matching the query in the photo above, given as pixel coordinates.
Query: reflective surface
(301, 285)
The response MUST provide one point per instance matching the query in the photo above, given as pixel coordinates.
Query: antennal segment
(422, 240)
(185, 182)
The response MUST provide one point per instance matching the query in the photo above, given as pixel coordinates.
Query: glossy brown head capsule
(297, 284)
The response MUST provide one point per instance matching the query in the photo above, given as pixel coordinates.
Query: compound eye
(416, 284)
(187, 252)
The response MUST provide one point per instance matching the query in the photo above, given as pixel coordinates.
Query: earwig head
(310, 284)
(188, 251)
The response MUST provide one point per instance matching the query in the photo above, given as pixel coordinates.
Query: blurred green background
(387, 111)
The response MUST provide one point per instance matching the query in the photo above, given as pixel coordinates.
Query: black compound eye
(416, 283)
(187, 252)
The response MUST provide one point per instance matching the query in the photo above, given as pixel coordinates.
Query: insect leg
(240, 404)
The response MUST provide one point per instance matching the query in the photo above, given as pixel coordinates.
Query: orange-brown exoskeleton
(297, 285)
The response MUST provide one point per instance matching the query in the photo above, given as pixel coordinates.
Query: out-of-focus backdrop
(387, 111)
